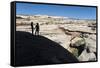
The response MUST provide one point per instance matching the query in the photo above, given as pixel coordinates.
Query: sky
(56, 10)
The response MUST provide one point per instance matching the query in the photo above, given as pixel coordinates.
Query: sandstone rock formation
(62, 30)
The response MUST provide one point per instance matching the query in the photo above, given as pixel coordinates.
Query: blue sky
(56, 10)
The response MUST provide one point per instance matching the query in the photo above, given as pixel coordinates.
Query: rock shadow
(39, 50)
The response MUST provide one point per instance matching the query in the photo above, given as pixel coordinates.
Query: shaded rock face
(38, 50)
(87, 56)
(83, 50)
(77, 50)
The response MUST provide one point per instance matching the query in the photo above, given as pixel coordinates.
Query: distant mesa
(46, 19)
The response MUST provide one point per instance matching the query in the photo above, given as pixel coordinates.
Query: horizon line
(58, 16)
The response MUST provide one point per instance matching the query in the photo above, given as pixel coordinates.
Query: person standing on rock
(32, 27)
(37, 29)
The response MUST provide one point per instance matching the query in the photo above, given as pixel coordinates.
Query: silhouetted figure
(37, 29)
(32, 27)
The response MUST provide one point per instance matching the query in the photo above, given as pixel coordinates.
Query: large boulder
(77, 45)
(77, 41)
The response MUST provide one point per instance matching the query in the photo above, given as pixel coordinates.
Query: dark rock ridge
(39, 50)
